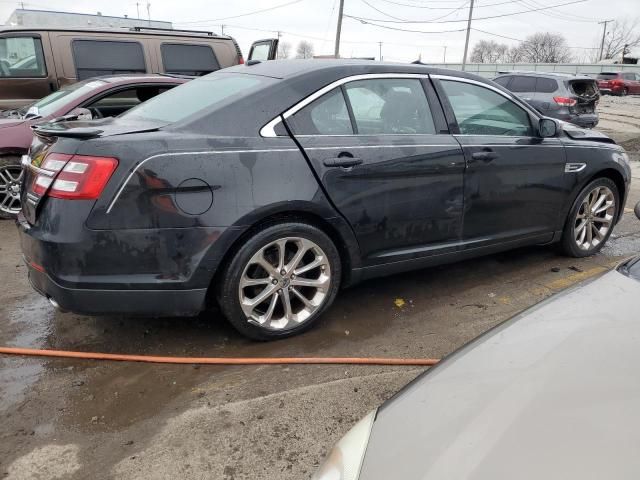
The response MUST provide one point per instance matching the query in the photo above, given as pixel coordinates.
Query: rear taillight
(617, 83)
(73, 177)
(564, 101)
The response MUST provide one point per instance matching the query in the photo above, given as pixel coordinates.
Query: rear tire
(280, 281)
(591, 218)
(10, 179)
(624, 92)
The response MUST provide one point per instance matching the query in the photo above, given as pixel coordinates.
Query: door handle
(344, 162)
(485, 156)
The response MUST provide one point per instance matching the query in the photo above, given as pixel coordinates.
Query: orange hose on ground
(32, 352)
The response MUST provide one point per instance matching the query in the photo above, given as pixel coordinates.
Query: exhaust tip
(55, 304)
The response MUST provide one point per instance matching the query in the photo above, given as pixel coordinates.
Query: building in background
(51, 19)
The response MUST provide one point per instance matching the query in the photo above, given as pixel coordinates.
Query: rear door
(545, 90)
(515, 183)
(380, 147)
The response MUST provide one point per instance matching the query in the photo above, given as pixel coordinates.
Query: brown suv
(34, 63)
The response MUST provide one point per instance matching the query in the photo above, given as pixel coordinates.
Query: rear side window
(546, 85)
(629, 76)
(607, 76)
(523, 84)
(327, 115)
(184, 59)
(389, 106)
(502, 81)
(21, 57)
(94, 58)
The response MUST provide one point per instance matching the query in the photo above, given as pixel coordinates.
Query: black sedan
(267, 187)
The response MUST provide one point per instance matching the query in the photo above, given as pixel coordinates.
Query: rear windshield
(607, 76)
(195, 96)
(584, 88)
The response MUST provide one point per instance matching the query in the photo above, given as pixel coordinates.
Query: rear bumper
(113, 302)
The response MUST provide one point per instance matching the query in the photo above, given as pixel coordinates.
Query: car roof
(120, 31)
(528, 73)
(286, 69)
(142, 78)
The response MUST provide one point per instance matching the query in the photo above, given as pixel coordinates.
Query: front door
(515, 183)
(376, 148)
(24, 76)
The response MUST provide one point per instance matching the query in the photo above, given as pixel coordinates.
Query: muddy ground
(80, 419)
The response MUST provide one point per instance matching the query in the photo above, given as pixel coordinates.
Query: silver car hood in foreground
(551, 394)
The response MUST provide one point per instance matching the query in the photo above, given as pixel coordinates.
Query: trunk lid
(46, 140)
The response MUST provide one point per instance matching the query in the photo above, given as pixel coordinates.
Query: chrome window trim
(268, 130)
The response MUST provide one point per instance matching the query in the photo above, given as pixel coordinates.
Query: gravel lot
(77, 420)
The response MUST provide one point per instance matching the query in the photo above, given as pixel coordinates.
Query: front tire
(591, 218)
(624, 92)
(280, 281)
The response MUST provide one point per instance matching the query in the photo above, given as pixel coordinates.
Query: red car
(95, 98)
(619, 83)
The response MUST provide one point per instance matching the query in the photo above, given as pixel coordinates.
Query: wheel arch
(335, 227)
(609, 172)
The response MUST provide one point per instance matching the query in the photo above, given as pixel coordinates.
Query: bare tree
(284, 49)
(513, 55)
(545, 47)
(304, 49)
(619, 34)
(488, 51)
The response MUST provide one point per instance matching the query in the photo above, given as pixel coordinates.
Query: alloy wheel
(10, 180)
(284, 283)
(594, 218)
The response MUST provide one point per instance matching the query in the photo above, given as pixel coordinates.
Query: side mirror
(548, 128)
(80, 114)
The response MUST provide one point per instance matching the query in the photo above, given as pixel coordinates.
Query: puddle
(28, 325)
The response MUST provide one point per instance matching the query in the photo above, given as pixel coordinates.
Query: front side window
(21, 57)
(94, 58)
(260, 51)
(481, 111)
(389, 106)
(116, 103)
(327, 115)
(196, 60)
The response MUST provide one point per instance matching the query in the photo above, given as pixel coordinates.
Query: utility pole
(138, 9)
(466, 42)
(380, 49)
(222, 29)
(604, 33)
(149, 13)
(444, 57)
(336, 52)
(625, 50)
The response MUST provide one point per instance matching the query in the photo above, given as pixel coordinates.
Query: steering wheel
(95, 113)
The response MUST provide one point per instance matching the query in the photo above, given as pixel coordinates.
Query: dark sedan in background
(266, 187)
(95, 98)
(571, 98)
(552, 393)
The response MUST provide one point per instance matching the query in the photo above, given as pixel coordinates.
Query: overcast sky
(315, 20)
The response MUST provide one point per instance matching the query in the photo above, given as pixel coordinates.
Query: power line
(458, 21)
(366, 22)
(521, 40)
(242, 14)
(405, 20)
(556, 15)
(447, 8)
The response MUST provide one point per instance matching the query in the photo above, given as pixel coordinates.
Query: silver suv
(563, 96)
